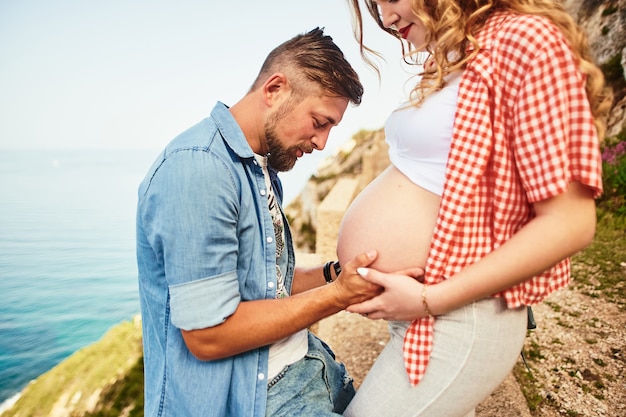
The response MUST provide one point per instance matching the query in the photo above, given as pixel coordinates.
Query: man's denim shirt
(205, 242)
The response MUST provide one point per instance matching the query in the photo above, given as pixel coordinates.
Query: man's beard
(280, 158)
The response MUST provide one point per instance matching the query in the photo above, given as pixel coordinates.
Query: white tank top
(419, 137)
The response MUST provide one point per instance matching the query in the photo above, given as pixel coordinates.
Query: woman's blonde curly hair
(452, 25)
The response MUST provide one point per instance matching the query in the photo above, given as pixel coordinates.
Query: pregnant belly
(393, 216)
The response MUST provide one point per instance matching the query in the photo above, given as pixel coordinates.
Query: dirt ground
(577, 356)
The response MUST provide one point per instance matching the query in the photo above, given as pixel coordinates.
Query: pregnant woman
(495, 167)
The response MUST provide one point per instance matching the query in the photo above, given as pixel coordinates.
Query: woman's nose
(388, 17)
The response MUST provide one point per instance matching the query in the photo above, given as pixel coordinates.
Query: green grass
(124, 397)
(600, 269)
(528, 386)
(83, 374)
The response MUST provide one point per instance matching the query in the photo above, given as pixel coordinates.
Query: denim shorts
(316, 385)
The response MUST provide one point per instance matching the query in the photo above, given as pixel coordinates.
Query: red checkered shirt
(523, 131)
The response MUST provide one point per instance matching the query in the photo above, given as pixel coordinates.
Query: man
(225, 312)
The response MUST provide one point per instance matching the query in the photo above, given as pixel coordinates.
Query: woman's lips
(404, 32)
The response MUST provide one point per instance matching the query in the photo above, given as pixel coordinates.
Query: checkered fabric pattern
(522, 132)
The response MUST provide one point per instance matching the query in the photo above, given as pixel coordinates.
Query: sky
(84, 74)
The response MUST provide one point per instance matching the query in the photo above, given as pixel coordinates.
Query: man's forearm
(308, 278)
(262, 322)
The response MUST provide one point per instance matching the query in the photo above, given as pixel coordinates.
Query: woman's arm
(563, 225)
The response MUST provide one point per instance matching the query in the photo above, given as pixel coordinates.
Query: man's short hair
(314, 57)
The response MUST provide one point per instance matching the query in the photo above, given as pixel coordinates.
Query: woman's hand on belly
(400, 300)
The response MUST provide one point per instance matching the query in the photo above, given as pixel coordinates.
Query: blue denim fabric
(205, 242)
(315, 386)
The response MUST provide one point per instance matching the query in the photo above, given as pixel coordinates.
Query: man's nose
(319, 141)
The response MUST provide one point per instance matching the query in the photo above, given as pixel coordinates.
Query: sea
(67, 252)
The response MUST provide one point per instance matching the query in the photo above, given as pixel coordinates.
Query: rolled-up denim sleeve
(190, 215)
(205, 302)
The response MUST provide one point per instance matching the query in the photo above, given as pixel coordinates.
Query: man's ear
(275, 87)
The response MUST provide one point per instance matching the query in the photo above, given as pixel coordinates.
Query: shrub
(614, 76)
(609, 11)
(614, 175)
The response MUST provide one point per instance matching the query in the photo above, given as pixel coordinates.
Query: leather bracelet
(424, 302)
(337, 268)
(327, 276)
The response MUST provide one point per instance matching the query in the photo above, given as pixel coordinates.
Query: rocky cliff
(346, 163)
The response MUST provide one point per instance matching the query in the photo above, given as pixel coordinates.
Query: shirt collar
(230, 130)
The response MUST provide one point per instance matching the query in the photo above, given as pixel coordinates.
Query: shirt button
(269, 240)
(270, 285)
(261, 377)
(262, 192)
